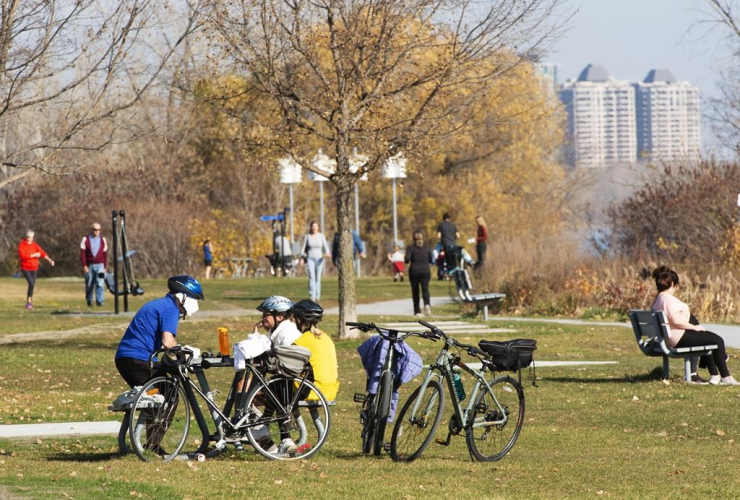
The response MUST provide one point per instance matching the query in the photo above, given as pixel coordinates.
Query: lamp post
(355, 163)
(395, 168)
(290, 173)
(325, 164)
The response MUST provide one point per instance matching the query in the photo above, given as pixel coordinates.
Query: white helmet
(276, 304)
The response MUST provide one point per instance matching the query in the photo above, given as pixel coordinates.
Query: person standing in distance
(481, 244)
(94, 257)
(208, 256)
(447, 234)
(155, 327)
(418, 257)
(315, 248)
(30, 252)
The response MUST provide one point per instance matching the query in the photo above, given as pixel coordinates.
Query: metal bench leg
(687, 368)
(485, 312)
(666, 370)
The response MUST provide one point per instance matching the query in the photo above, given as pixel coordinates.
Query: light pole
(325, 164)
(355, 163)
(290, 173)
(395, 168)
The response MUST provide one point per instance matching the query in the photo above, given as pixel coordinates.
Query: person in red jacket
(94, 257)
(30, 252)
(481, 242)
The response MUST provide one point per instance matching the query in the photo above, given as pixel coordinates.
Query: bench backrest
(462, 283)
(651, 330)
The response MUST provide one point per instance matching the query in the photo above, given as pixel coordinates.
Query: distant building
(549, 73)
(601, 118)
(668, 118)
(613, 121)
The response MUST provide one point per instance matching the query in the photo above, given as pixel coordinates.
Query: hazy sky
(631, 37)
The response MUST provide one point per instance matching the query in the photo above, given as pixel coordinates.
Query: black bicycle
(275, 411)
(376, 405)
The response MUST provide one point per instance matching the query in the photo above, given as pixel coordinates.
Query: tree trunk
(347, 297)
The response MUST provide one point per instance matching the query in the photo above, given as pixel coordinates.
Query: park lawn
(608, 431)
(59, 303)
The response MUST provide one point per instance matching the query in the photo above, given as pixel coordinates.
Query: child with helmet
(307, 315)
(155, 326)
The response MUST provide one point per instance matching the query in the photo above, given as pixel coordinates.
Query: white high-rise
(601, 118)
(668, 118)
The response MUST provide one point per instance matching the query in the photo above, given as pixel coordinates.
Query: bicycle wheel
(413, 432)
(384, 409)
(160, 420)
(489, 440)
(368, 430)
(284, 425)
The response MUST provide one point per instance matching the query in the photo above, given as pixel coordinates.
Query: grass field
(610, 431)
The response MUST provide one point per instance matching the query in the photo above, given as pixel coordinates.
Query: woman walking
(30, 252)
(481, 244)
(315, 248)
(208, 256)
(418, 257)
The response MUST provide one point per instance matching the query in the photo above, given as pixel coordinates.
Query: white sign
(355, 163)
(290, 171)
(395, 167)
(323, 163)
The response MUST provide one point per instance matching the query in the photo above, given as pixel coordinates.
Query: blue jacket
(407, 366)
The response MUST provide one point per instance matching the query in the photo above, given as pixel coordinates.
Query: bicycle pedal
(387, 447)
(359, 397)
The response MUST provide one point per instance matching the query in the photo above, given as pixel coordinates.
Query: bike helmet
(187, 285)
(308, 313)
(275, 304)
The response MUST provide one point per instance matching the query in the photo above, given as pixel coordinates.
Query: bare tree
(385, 76)
(70, 68)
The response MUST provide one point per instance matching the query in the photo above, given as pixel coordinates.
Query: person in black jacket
(418, 257)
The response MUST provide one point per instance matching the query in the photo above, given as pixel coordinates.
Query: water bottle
(459, 389)
(223, 341)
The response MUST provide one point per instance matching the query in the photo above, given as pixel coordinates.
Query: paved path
(59, 429)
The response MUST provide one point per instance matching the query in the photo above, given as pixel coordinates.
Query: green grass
(609, 431)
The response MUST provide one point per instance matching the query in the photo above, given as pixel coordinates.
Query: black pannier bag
(510, 355)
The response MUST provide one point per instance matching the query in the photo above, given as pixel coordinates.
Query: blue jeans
(313, 268)
(93, 282)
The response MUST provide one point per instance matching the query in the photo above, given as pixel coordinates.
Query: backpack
(510, 355)
(292, 360)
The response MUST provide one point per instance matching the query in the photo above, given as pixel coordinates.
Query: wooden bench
(481, 300)
(651, 331)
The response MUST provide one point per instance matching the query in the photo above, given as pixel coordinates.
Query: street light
(355, 163)
(395, 168)
(325, 164)
(290, 173)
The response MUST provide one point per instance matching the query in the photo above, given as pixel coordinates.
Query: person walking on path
(447, 234)
(30, 252)
(686, 334)
(315, 248)
(208, 250)
(481, 244)
(358, 247)
(94, 257)
(418, 257)
(397, 259)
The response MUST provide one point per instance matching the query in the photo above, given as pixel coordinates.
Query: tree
(68, 71)
(384, 76)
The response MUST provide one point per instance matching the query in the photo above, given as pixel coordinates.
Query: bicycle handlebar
(471, 349)
(386, 333)
(182, 355)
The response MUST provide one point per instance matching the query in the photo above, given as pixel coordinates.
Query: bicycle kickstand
(445, 442)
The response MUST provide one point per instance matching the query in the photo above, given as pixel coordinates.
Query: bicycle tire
(489, 443)
(408, 432)
(368, 430)
(385, 389)
(160, 420)
(307, 427)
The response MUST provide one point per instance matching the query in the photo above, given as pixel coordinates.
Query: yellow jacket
(324, 362)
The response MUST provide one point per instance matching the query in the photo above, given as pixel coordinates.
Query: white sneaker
(714, 379)
(729, 381)
(287, 445)
(418, 315)
(428, 310)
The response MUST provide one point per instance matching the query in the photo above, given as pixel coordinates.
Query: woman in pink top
(686, 334)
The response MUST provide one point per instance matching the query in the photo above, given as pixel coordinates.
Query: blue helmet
(187, 285)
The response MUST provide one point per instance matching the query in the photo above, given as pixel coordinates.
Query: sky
(631, 37)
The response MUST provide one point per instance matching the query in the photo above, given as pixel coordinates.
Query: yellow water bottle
(223, 341)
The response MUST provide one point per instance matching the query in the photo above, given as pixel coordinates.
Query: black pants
(416, 281)
(717, 361)
(31, 278)
(480, 250)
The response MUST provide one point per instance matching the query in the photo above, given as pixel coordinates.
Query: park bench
(651, 331)
(481, 300)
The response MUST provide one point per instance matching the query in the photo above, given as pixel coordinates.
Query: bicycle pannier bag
(291, 359)
(510, 355)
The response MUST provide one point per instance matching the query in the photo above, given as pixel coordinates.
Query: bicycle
(376, 407)
(273, 409)
(492, 420)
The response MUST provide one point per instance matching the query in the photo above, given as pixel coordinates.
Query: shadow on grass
(652, 376)
(84, 457)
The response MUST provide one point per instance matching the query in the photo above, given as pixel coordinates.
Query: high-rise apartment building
(668, 118)
(601, 118)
